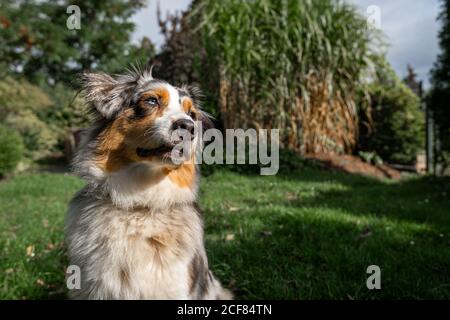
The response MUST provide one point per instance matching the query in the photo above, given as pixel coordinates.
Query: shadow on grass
(53, 164)
(319, 246)
(419, 200)
(309, 258)
(39, 278)
(51, 268)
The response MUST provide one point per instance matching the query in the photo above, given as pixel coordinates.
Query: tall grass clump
(293, 65)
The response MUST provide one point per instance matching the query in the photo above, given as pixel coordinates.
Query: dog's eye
(152, 101)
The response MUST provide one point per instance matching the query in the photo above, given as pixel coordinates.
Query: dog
(135, 230)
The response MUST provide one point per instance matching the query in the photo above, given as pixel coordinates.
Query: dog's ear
(106, 95)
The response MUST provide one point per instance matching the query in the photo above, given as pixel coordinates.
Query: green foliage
(440, 94)
(67, 112)
(35, 41)
(38, 138)
(36, 45)
(293, 65)
(21, 107)
(43, 123)
(394, 127)
(19, 95)
(142, 53)
(11, 149)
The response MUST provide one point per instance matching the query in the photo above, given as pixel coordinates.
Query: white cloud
(410, 27)
(411, 30)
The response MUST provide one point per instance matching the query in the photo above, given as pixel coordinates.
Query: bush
(11, 149)
(16, 95)
(68, 110)
(396, 129)
(20, 106)
(43, 123)
(37, 137)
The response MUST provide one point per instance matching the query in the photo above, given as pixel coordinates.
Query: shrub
(395, 129)
(37, 137)
(11, 149)
(16, 95)
(43, 123)
(68, 110)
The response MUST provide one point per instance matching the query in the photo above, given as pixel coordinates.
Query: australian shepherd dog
(135, 230)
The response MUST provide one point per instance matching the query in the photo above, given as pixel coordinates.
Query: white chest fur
(136, 254)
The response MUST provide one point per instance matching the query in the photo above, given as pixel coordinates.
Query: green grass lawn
(308, 234)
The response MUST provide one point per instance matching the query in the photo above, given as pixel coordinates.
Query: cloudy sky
(410, 27)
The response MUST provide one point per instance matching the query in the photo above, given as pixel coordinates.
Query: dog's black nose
(184, 124)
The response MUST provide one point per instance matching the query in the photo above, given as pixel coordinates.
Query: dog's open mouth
(163, 151)
(144, 153)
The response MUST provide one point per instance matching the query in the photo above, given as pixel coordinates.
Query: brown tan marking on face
(190, 109)
(111, 152)
(126, 133)
(187, 105)
(162, 94)
(119, 141)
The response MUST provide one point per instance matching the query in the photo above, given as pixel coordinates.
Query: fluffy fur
(135, 230)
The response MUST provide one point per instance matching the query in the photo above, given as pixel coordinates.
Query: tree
(142, 53)
(35, 41)
(411, 81)
(180, 50)
(440, 94)
(394, 126)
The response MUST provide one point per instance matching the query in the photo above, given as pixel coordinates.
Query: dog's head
(143, 119)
